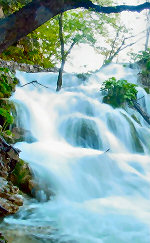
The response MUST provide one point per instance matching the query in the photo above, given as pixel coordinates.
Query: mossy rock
(21, 177)
(2, 239)
(113, 101)
(83, 76)
(136, 119)
(84, 133)
(147, 89)
(135, 137)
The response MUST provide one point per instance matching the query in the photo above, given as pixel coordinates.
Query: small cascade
(92, 160)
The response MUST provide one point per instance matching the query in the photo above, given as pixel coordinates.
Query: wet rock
(8, 158)
(10, 201)
(136, 142)
(13, 66)
(22, 177)
(2, 239)
(29, 234)
(13, 172)
(19, 135)
(83, 132)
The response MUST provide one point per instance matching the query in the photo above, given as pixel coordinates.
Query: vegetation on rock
(2, 239)
(143, 60)
(21, 176)
(13, 171)
(15, 174)
(118, 92)
(7, 86)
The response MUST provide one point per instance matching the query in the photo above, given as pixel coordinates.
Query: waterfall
(96, 196)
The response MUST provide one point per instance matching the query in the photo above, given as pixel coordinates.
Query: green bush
(7, 86)
(143, 59)
(118, 92)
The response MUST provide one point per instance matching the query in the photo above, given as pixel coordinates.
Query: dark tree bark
(63, 53)
(143, 113)
(34, 14)
(59, 81)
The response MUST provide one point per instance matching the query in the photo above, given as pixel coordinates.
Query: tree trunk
(63, 59)
(59, 80)
(63, 54)
(147, 30)
(143, 113)
(36, 13)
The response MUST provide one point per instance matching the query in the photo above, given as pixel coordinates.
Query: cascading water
(96, 196)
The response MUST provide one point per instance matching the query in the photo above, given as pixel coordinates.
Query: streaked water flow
(96, 196)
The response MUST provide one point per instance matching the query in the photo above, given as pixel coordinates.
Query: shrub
(118, 92)
(143, 57)
(7, 86)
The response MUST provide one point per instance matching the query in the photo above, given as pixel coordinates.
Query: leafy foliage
(7, 86)
(10, 6)
(39, 47)
(118, 92)
(143, 59)
(42, 46)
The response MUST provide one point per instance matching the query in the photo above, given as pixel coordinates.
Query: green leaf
(118, 92)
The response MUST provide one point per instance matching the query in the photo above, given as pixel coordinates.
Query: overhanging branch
(36, 13)
(115, 9)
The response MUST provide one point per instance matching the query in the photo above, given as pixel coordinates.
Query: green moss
(20, 172)
(2, 239)
(21, 176)
(137, 145)
(136, 119)
(83, 76)
(147, 89)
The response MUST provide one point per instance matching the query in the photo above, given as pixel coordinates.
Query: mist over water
(86, 195)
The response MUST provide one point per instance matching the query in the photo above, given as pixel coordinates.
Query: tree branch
(143, 113)
(36, 13)
(115, 9)
(113, 45)
(34, 82)
(70, 48)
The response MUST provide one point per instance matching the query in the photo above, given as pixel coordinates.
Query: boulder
(22, 177)
(2, 239)
(10, 200)
(15, 174)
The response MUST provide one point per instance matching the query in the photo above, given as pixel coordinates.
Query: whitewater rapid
(86, 194)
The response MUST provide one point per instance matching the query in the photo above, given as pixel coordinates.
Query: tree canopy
(37, 12)
(43, 46)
